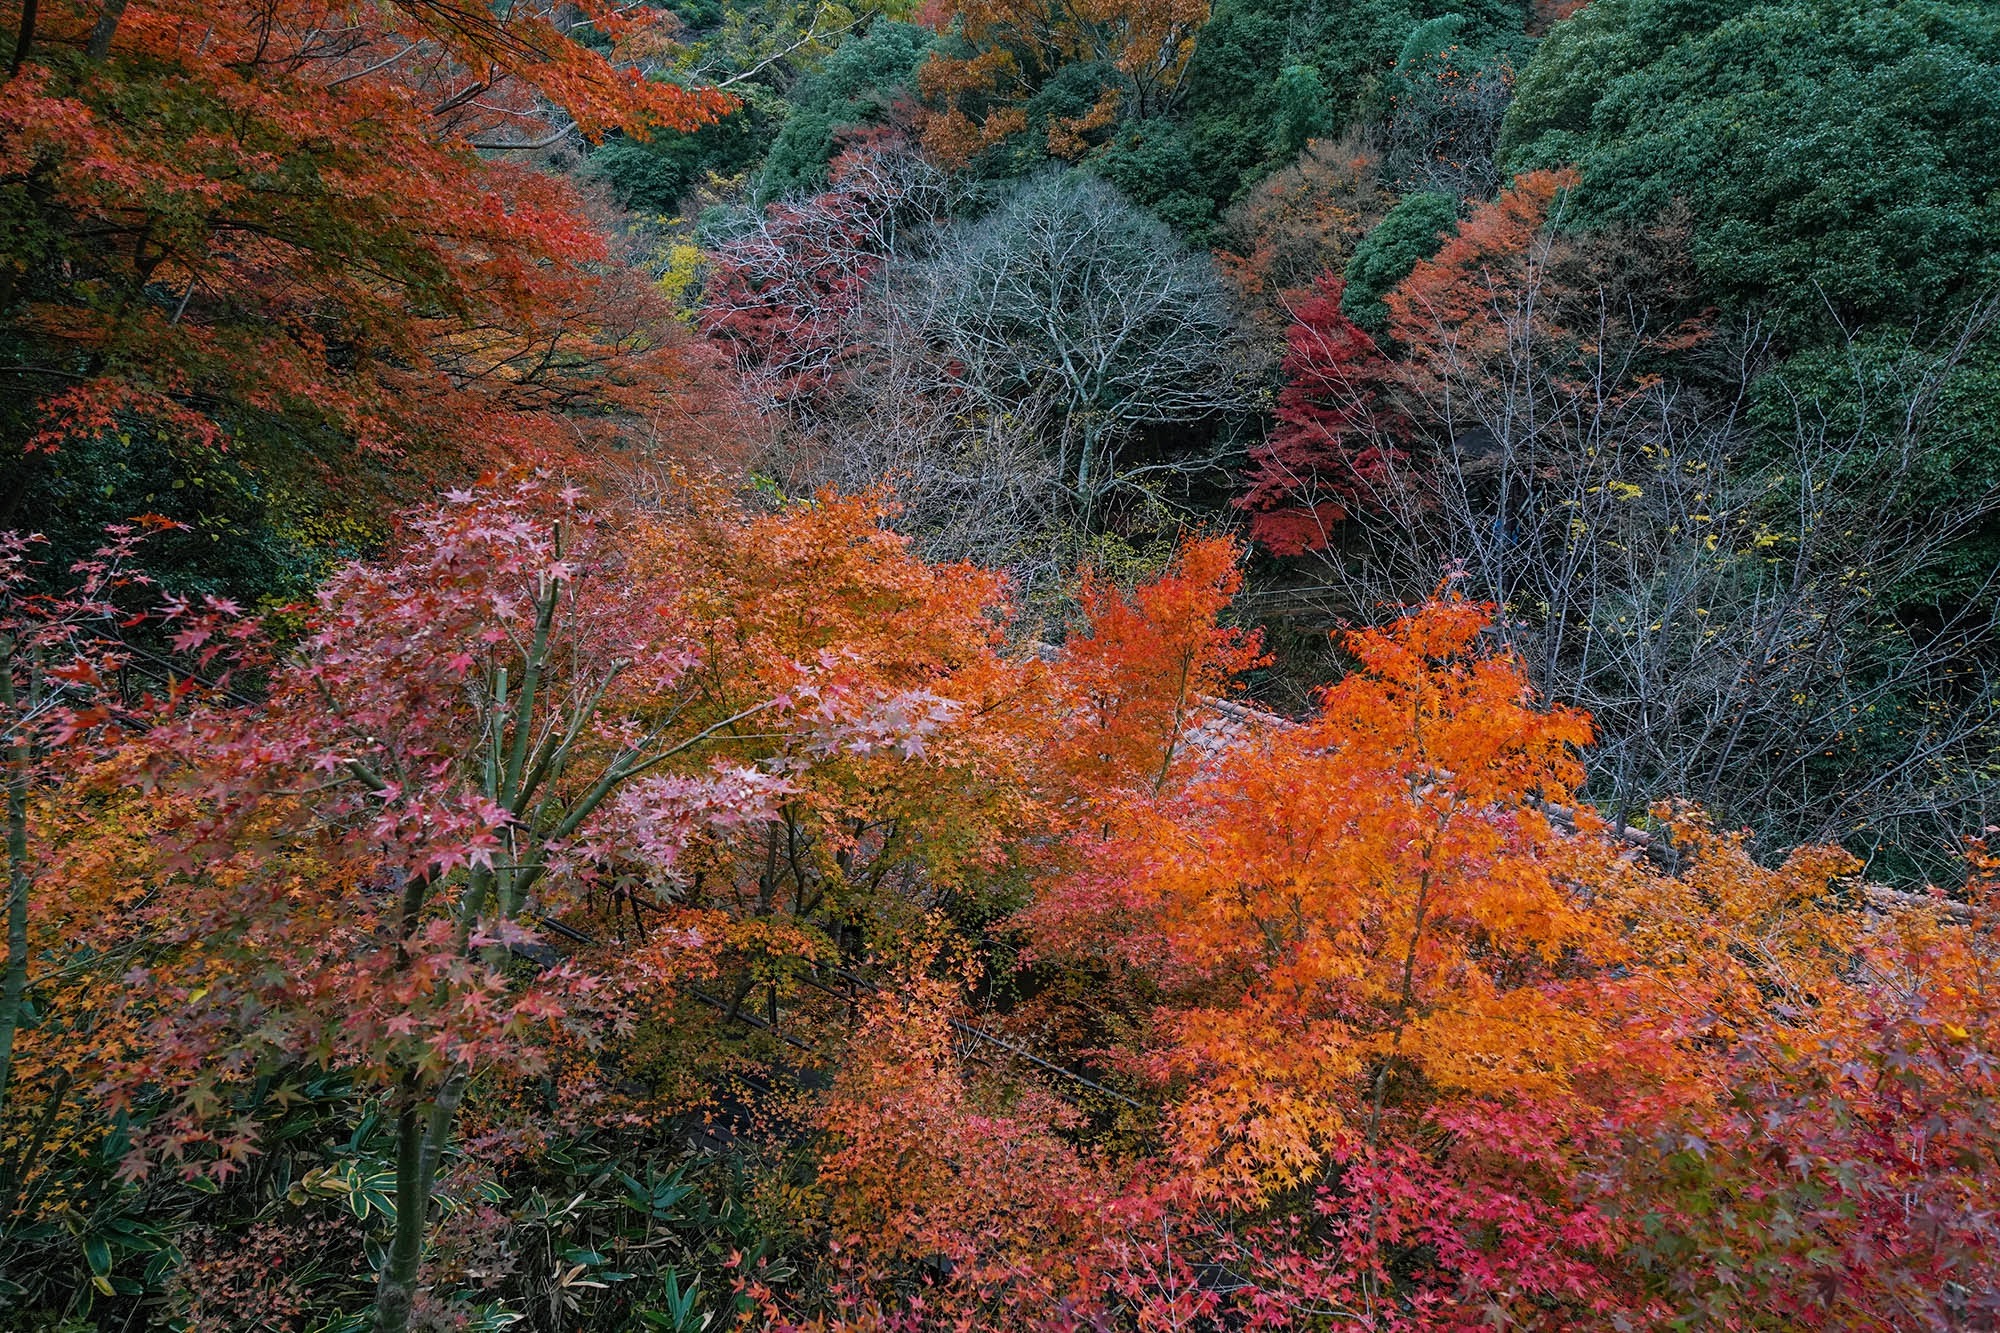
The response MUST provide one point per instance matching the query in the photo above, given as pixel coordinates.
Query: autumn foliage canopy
(624, 890)
(291, 234)
(1375, 1019)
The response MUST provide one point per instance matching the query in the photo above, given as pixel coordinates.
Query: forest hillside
(1141, 665)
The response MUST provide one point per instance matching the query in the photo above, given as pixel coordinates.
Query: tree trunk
(1086, 477)
(24, 37)
(106, 29)
(421, 1133)
(14, 988)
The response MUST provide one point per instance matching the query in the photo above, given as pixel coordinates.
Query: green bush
(1242, 103)
(1412, 231)
(1841, 157)
(1303, 111)
(653, 175)
(1150, 164)
(856, 86)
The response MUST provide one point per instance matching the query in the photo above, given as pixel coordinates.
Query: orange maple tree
(1339, 941)
(1147, 666)
(977, 97)
(1357, 1012)
(249, 228)
(1398, 839)
(1430, 1047)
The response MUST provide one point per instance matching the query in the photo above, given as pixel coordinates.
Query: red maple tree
(1339, 437)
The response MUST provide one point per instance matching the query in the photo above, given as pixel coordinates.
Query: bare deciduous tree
(969, 485)
(994, 372)
(788, 290)
(1068, 307)
(1729, 599)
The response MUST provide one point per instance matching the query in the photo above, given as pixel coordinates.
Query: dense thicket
(1839, 158)
(629, 698)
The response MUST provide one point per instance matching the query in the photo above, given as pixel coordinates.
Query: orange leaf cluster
(294, 212)
(977, 100)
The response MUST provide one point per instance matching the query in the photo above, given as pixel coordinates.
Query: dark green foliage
(1447, 93)
(857, 85)
(1239, 104)
(1861, 395)
(1426, 45)
(1150, 164)
(1304, 111)
(617, 1231)
(1842, 157)
(263, 517)
(699, 15)
(125, 1254)
(1071, 92)
(1841, 162)
(1453, 42)
(1412, 231)
(236, 540)
(1069, 96)
(653, 175)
